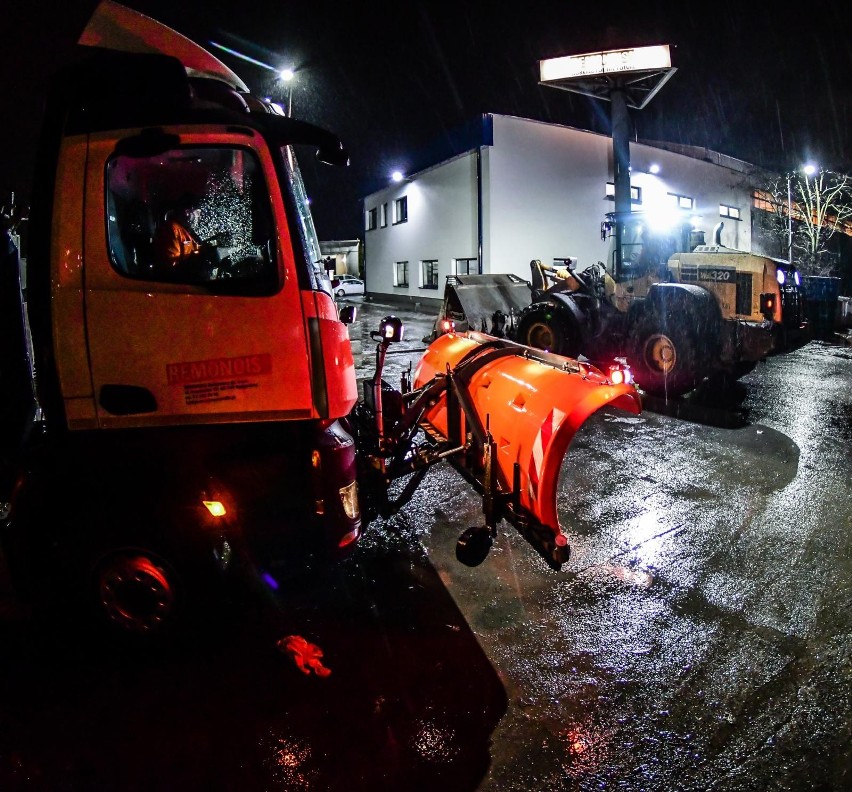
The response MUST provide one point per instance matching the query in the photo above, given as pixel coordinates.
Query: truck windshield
(307, 231)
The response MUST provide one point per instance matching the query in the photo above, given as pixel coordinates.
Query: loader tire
(664, 357)
(544, 326)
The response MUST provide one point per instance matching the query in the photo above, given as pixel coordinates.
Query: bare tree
(804, 213)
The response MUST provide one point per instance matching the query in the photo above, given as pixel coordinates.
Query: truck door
(216, 336)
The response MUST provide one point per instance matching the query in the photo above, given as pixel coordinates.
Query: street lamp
(808, 170)
(286, 76)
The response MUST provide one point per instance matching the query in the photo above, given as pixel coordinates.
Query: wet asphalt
(698, 638)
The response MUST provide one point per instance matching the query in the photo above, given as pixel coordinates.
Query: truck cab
(182, 411)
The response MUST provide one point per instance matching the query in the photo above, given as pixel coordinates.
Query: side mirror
(287, 130)
(335, 283)
(347, 314)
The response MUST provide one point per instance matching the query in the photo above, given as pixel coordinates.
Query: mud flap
(525, 407)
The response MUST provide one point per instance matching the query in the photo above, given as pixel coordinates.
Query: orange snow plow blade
(522, 407)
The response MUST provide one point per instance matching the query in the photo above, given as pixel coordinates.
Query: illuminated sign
(595, 64)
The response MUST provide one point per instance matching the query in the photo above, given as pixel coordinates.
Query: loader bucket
(471, 301)
(531, 404)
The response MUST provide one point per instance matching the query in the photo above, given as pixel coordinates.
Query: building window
(429, 274)
(467, 266)
(682, 201)
(383, 215)
(400, 273)
(762, 200)
(635, 193)
(372, 215)
(729, 211)
(400, 210)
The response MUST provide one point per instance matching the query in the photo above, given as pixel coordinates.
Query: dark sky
(397, 80)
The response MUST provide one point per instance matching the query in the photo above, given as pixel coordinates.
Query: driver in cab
(176, 246)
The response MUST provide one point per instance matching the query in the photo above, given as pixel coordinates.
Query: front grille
(689, 273)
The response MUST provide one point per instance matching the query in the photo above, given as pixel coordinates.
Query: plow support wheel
(533, 406)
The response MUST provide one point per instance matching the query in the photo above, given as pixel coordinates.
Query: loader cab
(640, 247)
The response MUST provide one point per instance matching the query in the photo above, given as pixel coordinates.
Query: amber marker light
(216, 508)
(620, 375)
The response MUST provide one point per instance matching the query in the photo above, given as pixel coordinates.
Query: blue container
(821, 303)
(821, 289)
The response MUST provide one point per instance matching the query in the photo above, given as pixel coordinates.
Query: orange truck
(169, 418)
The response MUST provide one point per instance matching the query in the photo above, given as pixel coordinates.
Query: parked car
(346, 286)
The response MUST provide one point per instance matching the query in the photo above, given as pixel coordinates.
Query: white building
(532, 190)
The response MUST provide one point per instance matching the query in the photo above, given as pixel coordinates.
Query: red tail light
(349, 538)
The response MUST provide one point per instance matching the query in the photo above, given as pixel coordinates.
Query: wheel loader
(675, 309)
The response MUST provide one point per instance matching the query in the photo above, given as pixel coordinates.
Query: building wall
(708, 181)
(544, 196)
(441, 226)
(546, 200)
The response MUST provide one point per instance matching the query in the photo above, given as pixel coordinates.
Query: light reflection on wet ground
(699, 637)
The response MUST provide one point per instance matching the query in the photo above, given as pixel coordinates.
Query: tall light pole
(625, 78)
(286, 76)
